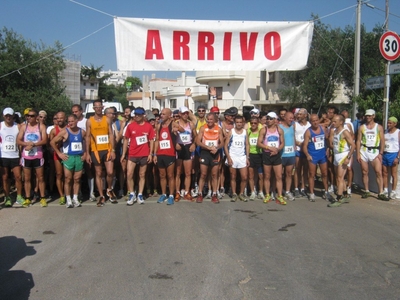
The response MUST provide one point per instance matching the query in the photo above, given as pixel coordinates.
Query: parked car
(89, 111)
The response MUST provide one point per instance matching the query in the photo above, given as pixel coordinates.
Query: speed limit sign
(389, 45)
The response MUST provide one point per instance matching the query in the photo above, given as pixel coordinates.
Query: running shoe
(199, 198)
(62, 201)
(92, 197)
(303, 193)
(208, 194)
(252, 196)
(36, 197)
(393, 195)
(131, 199)
(69, 204)
(365, 195)
(261, 195)
(101, 201)
(170, 200)
(311, 197)
(280, 200)
(140, 199)
(193, 193)
(344, 200)
(242, 198)
(331, 189)
(155, 194)
(383, 197)
(188, 197)
(334, 204)
(177, 197)
(234, 197)
(329, 197)
(8, 202)
(162, 198)
(27, 203)
(214, 199)
(43, 202)
(267, 198)
(349, 190)
(219, 195)
(289, 196)
(76, 203)
(111, 196)
(222, 191)
(297, 194)
(19, 202)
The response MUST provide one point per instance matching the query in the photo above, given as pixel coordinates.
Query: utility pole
(387, 77)
(356, 90)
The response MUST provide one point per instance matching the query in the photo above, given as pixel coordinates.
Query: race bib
(319, 142)
(289, 149)
(102, 139)
(165, 144)
(370, 136)
(211, 143)
(300, 137)
(140, 140)
(31, 152)
(9, 147)
(253, 141)
(76, 146)
(185, 137)
(274, 144)
(237, 143)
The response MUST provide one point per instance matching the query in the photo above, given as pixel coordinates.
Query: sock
(140, 194)
(75, 197)
(68, 198)
(91, 185)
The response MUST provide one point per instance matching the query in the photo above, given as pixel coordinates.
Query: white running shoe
(76, 203)
(261, 195)
(252, 196)
(208, 194)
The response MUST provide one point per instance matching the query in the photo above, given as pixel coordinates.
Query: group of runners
(175, 155)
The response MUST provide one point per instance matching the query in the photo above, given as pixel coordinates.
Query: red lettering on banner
(227, 46)
(206, 48)
(205, 41)
(181, 40)
(248, 48)
(272, 40)
(153, 45)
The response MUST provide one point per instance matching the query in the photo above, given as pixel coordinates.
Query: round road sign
(389, 45)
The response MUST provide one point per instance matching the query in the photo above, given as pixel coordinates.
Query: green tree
(30, 74)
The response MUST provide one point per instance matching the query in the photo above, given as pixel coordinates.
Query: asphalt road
(239, 250)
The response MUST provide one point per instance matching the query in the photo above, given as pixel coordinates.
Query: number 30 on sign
(389, 45)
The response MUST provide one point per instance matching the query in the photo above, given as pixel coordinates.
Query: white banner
(156, 44)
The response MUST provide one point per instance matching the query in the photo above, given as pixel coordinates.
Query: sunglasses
(30, 116)
(269, 118)
(254, 123)
(201, 110)
(176, 116)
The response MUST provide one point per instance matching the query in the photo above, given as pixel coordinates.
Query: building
(115, 77)
(71, 77)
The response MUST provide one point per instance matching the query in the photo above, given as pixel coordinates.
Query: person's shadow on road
(14, 284)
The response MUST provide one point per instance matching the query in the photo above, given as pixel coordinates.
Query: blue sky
(68, 22)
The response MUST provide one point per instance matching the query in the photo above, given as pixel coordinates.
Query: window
(172, 103)
(84, 84)
(152, 96)
(92, 84)
(271, 77)
(91, 95)
(219, 93)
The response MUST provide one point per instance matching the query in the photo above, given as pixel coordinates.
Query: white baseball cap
(369, 112)
(255, 110)
(8, 111)
(183, 109)
(272, 114)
